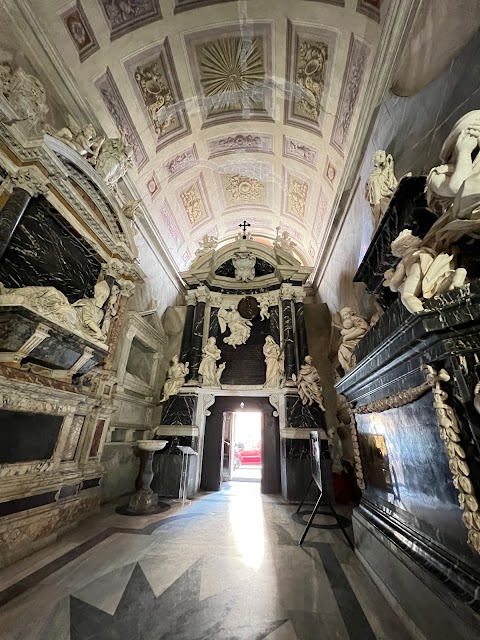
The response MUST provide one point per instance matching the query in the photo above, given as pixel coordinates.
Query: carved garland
(356, 451)
(450, 434)
(392, 402)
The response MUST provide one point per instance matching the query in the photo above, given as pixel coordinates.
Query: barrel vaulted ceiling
(235, 109)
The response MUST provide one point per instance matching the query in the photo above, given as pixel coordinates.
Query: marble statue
(239, 327)
(207, 245)
(273, 359)
(112, 308)
(263, 302)
(84, 316)
(354, 328)
(421, 272)
(83, 140)
(113, 161)
(175, 378)
(130, 209)
(284, 242)
(208, 369)
(244, 264)
(309, 384)
(453, 188)
(26, 95)
(380, 186)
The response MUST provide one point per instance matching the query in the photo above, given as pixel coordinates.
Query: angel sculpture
(83, 140)
(239, 327)
(380, 186)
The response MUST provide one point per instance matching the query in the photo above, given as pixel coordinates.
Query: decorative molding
(124, 17)
(180, 162)
(275, 402)
(359, 477)
(370, 8)
(243, 190)
(392, 402)
(32, 180)
(310, 60)
(450, 434)
(208, 401)
(116, 107)
(296, 195)
(153, 186)
(232, 73)
(358, 55)
(79, 29)
(155, 84)
(300, 151)
(167, 220)
(330, 173)
(246, 142)
(187, 5)
(195, 203)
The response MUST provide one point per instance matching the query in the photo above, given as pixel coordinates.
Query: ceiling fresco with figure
(234, 109)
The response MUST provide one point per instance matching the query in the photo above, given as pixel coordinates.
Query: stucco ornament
(84, 316)
(239, 327)
(284, 242)
(175, 378)
(83, 139)
(274, 361)
(206, 245)
(26, 95)
(309, 384)
(113, 161)
(354, 328)
(244, 264)
(208, 369)
(453, 188)
(421, 272)
(381, 185)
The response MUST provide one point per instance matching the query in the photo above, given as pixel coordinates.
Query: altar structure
(244, 337)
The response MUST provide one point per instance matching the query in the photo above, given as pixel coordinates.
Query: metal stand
(182, 490)
(314, 512)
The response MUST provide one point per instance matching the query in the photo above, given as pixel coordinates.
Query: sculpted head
(347, 313)
(101, 293)
(308, 360)
(448, 150)
(379, 158)
(175, 360)
(404, 242)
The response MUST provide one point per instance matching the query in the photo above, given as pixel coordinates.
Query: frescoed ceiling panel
(234, 109)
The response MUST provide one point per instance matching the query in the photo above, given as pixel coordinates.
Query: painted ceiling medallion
(232, 73)
(243, 189)
(310, 78)
(157, 97)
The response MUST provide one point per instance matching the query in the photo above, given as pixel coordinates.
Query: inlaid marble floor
(227, 567)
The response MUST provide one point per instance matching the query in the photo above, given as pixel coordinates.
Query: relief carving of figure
(354, 328)
(244, 264)
(421, 272)
(208, 369)
(26, 95)
(453, 188)
(175, 378)
(83, 140)
(309, 384)
(239, 327)
(84, 316)
(380, 186)
(273, 359)
(113, 161)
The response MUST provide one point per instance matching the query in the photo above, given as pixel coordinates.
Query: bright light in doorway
(246, 519)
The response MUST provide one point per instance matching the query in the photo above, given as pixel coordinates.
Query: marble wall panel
(26, 436)
(97, 438)
(180, 410)
(123, 16)
(46, 252)
(73, 437)
(116, 107)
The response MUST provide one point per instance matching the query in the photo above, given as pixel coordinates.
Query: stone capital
(286, 292)
(299, 294)
(201, 294)
(32, 180)
(190, 297)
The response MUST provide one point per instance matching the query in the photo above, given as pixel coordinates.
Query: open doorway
(247, 451)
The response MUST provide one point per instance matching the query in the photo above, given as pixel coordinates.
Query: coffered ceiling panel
(234, 109)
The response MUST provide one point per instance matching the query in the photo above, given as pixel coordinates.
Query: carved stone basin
(151, 445)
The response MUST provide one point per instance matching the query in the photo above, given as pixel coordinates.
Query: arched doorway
(213, 448)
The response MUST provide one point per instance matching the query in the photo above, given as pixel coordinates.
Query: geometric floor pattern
(226, 567)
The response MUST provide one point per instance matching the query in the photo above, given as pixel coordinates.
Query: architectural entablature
(245, 264)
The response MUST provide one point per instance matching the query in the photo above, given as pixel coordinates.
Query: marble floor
(226, 567)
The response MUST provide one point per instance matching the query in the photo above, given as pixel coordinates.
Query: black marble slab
(60, 350)
(12, 212)
(23, 504)
(302, 345)
(180, 409)
(303, 415)
(275, 323)
(197, 339)
(407, 210)
(46, 251)
(262, 268)
(288, 340)
(187, 334)
(214, 326)
(245, 364)
(26, 436)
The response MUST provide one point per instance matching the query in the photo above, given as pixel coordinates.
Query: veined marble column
(274, 311)
(188, 327)
(302, 346)
(214, 326)
(10, 216)
(286, 294)
(197, 333)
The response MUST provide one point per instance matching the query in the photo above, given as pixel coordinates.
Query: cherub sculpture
(83, 140)
(284, 242)
(263, 303)
(421, 272)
